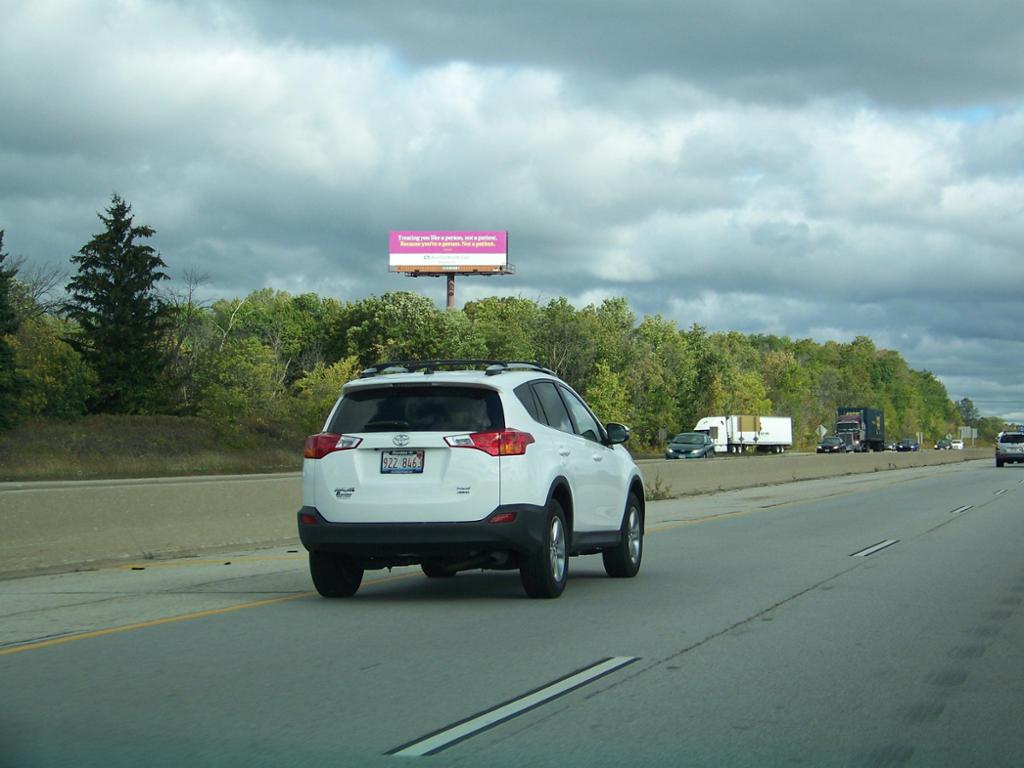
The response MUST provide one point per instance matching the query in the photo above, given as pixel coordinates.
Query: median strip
(875, 548)
(450, 735)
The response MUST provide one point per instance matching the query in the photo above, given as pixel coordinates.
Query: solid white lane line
(961, 510)
(435, 742)
(875, 548)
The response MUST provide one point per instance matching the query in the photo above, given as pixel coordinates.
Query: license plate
(401, 462)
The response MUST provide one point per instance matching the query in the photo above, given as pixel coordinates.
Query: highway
(868, 620)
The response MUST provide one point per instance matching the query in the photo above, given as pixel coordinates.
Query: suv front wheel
(623, 560)
(544, 573)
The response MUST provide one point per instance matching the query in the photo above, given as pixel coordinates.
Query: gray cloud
(905, 53)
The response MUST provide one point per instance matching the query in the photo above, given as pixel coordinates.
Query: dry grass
(98, 447)
(659, 491)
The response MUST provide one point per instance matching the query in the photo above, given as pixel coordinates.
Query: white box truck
(736, 434)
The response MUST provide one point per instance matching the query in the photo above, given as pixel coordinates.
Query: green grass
(100, 447)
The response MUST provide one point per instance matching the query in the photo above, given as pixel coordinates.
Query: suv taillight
(323, 443)
(505, 442)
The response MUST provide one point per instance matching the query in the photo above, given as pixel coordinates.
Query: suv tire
(333, 574)
(544, 573)
(623, 560)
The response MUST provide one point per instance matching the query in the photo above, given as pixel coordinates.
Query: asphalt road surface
(864, 621)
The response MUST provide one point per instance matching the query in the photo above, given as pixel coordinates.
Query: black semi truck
(862, 429)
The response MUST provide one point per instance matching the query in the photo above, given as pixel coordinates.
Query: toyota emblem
(400, 440)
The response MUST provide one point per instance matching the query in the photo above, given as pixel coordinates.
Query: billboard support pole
(451, 290)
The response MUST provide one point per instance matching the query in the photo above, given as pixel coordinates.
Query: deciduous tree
(57, 382)
(11, 381)
(968, 412)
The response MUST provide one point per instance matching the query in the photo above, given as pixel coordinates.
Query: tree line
(271, 363)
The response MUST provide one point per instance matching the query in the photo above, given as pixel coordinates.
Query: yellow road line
(670, 524)
(153, 565)
(182, 617)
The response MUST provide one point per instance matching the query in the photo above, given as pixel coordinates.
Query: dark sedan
(908, 444)
(831, 445)
(690, 445)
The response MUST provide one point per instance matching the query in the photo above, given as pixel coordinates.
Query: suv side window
(554, 409)
(586, 425)
(525, 394)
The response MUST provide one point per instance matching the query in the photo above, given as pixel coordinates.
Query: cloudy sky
(813, 169)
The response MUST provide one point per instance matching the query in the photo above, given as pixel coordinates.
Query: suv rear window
(418, 408)
(1012, 438)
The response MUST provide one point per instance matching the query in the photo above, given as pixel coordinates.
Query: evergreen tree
(10, 380)
(120, 315)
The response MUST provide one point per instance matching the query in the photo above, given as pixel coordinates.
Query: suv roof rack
(491, 367)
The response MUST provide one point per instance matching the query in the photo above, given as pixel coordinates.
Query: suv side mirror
(617, 433)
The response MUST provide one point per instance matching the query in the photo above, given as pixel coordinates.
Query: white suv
(499, 468)
(1009, 448)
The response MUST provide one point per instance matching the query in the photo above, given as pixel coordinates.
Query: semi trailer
(862, 429)
(737, 434)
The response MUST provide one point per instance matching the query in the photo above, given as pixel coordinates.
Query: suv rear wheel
(544, 573)
(623, 560)
(334, 575)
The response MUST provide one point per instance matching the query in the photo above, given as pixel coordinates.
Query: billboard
(443, 252)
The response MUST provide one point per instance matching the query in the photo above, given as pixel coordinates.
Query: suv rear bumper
(379, 545)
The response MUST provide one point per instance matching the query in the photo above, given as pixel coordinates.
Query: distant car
(957, 445)
(831, 445)
(1009, 448)
(908, 444)
(690, 445)
(943, 445)
(890, 446)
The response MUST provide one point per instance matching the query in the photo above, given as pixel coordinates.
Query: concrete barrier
(62, 526)
(681, 477)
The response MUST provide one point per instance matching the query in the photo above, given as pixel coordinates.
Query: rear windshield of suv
(1014, 438)
(418, 408)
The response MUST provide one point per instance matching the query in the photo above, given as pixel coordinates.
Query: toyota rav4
(467, 464)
